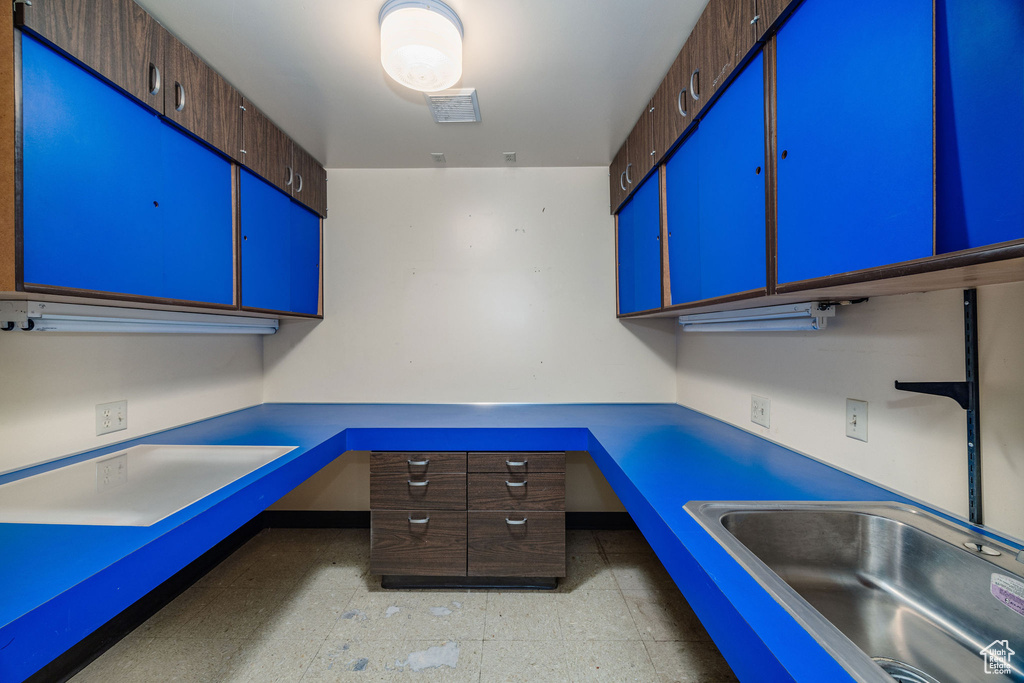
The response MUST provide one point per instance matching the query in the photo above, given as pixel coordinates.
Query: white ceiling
(560, 82)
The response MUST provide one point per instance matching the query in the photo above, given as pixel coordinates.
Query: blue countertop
(61, 582)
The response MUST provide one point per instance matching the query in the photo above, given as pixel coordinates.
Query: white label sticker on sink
(1009, 591)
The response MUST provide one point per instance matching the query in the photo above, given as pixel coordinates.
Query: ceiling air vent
(458, 105)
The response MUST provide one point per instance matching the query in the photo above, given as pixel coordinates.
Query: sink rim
(856, 662)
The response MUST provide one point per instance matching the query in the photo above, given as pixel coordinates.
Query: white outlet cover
(760, 410)
(857, 419)
(111, 417)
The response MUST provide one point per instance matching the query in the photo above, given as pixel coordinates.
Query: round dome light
(421, 44)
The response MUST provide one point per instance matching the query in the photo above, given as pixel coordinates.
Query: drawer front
(403, 491)
(535, 548)
(517, 463)
(436, 547)
(541, 491)
(416, 462)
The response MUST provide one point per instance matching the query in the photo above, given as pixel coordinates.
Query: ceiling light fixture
(421, 44)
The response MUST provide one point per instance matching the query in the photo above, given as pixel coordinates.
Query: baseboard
(315, 519)
(85, 651)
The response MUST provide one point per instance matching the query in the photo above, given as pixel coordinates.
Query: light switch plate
(111, 417)
(857, 419)
(760, 410)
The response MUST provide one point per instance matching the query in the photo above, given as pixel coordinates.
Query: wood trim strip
(771, 168)
(615, 238)
(282, 314)
(666, 272)
(236, 234)
(970, 257)
(10, 176)
(114, 296)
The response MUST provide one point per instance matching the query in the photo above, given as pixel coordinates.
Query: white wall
(463, 285)
(916, 443)
(52, 383)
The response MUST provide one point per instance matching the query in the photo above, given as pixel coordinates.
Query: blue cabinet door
(854, 97)
(979, 102)
(114, 200)
(280, 250)
(732, 219)
(714, 189)
(639, 236)
(682, 197)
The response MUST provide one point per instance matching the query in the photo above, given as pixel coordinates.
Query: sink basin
(138, 486)
(889, 590)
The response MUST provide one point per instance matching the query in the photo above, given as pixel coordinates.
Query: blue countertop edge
(62, 581)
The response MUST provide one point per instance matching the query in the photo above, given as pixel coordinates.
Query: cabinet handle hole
(757, 170)
(785, 153)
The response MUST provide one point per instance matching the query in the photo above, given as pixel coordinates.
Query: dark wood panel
(223, 116)
(641, 148)
(426, 492)
(506, 462)
(497, 548)
(416, 462)
(186, 92)
(310, 184)
(266, 149)
(542, 491)
(673, 106)
(10, 248)
(724, 37)
(769, 12)
(771, 169)
(617, 177)
(115, 38)
(435, 548)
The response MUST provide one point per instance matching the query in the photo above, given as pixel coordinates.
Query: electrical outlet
(857, 419)
(111, 472)
(760, 410)
(111, 417)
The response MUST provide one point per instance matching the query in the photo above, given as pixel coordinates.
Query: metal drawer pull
(512, 463)
(179, 96)
(154, 79)
(419, 463)
(693, 91)
(515, 483)
(418, 483)
(622, 181)
(419, 521)
(515, 522)
(679, 102)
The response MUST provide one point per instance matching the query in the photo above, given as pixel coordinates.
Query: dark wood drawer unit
(512, 511)
(417, 463)
(402, 492)
(516, 543)
(539, 491)
(418, 542)
(517, 463)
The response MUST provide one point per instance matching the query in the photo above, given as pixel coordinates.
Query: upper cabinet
(723, 37)
(854, 182)
(122, 42)
(638, 249)
(674, 109)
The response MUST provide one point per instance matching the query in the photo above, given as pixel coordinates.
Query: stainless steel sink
(889, 590)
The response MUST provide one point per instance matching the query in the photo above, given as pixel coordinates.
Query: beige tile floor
(300, 605)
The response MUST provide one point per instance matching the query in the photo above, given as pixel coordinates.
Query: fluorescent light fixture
(421, 44)
(39, 316)
(785, 318)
